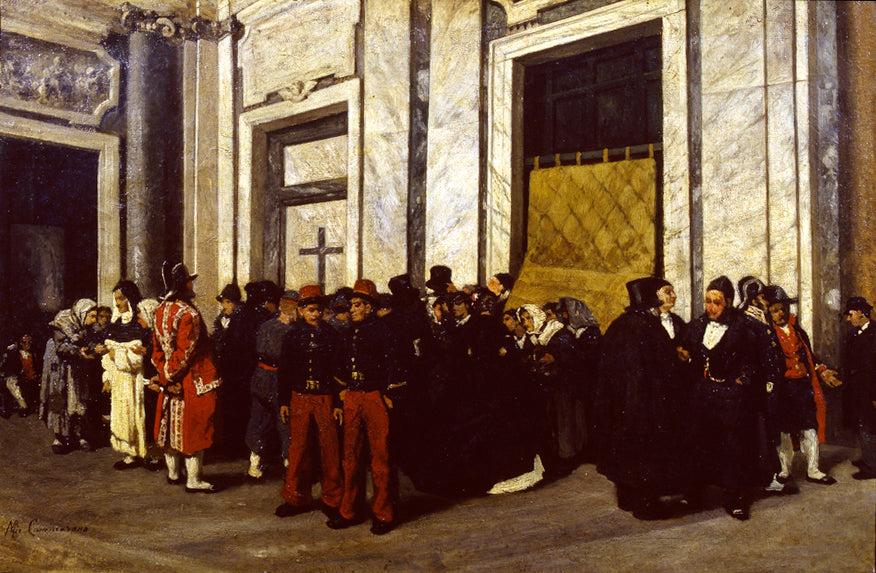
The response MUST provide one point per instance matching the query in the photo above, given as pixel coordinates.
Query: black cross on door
(320, 250)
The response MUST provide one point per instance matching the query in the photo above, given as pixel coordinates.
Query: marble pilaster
(226, 144)
(386, 120)
(200, 164)
(452, 171)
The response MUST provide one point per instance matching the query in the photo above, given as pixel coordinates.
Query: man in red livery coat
(800, 406)
(308, 391)
(187, 380)
(369, 369)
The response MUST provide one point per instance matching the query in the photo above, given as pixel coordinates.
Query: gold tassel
(605, 155)
(578, 158)
(557, 162)
(535, 167)
(651, 150)
(627, 153)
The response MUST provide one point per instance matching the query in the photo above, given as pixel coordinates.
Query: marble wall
(755, 125)
(386, 125)
(302, 269)
(287, 42)
(453, 165)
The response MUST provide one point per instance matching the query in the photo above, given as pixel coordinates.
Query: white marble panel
(805, 173)
(734, 184)
(386, 120)
(225, 169)
(305, 41)
(452, 170)
(779, 41)
(315, 161)
(302, 228)
(732, 44)
(782, 167)
(109, 256)
(676, 208)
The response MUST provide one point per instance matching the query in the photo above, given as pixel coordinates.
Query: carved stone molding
(176, 29)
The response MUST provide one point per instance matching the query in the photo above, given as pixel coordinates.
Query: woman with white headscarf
(127, 344)
(64, 393)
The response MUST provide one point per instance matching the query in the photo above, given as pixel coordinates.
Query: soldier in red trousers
(308, 391)
(370, 372)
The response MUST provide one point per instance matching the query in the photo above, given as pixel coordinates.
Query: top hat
(858, 303)
(723, 285)
(231, 292)
(175, 277)
(402, 290)
(643, 292)
(365, 289)
(506, 280)
(775, 294)
(439, 277)
(310, 294)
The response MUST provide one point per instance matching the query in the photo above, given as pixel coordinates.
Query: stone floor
(134, 521)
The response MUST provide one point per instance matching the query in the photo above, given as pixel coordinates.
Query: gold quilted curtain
(591, 230)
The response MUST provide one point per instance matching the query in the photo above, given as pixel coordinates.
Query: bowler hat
(310, 294)
(231, 292)
(858, 303)
(439, 277)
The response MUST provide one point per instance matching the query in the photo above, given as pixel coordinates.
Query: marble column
(453, 170)
(153, 174)
(385, 144)
(857, 68)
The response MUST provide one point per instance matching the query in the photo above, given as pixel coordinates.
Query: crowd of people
(458, 392)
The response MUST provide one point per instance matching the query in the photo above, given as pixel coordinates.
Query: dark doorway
(607, 97)
(48, 230)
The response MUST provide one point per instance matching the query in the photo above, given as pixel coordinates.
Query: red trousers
(296, 490)
(365, 414)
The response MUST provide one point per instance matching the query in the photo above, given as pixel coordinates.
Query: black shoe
(176, 481)
(382, 527)
(826, 480)
(123, 465)
(341, 522)
(330, 512)
(651, 510)
(858, 464)
(288, 510)
(783, 480)
(740, 513)
(60, 449)
(864, 474)
(152, 464)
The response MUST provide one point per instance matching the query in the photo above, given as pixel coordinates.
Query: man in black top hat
(859, 375)
(800, 407)
(439, 280)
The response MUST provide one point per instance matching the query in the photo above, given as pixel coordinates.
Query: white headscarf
(146, 309)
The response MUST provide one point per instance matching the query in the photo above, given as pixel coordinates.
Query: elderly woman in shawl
(64, 394)
(128, 341)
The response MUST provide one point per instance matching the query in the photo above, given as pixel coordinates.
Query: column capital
(175, 28)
